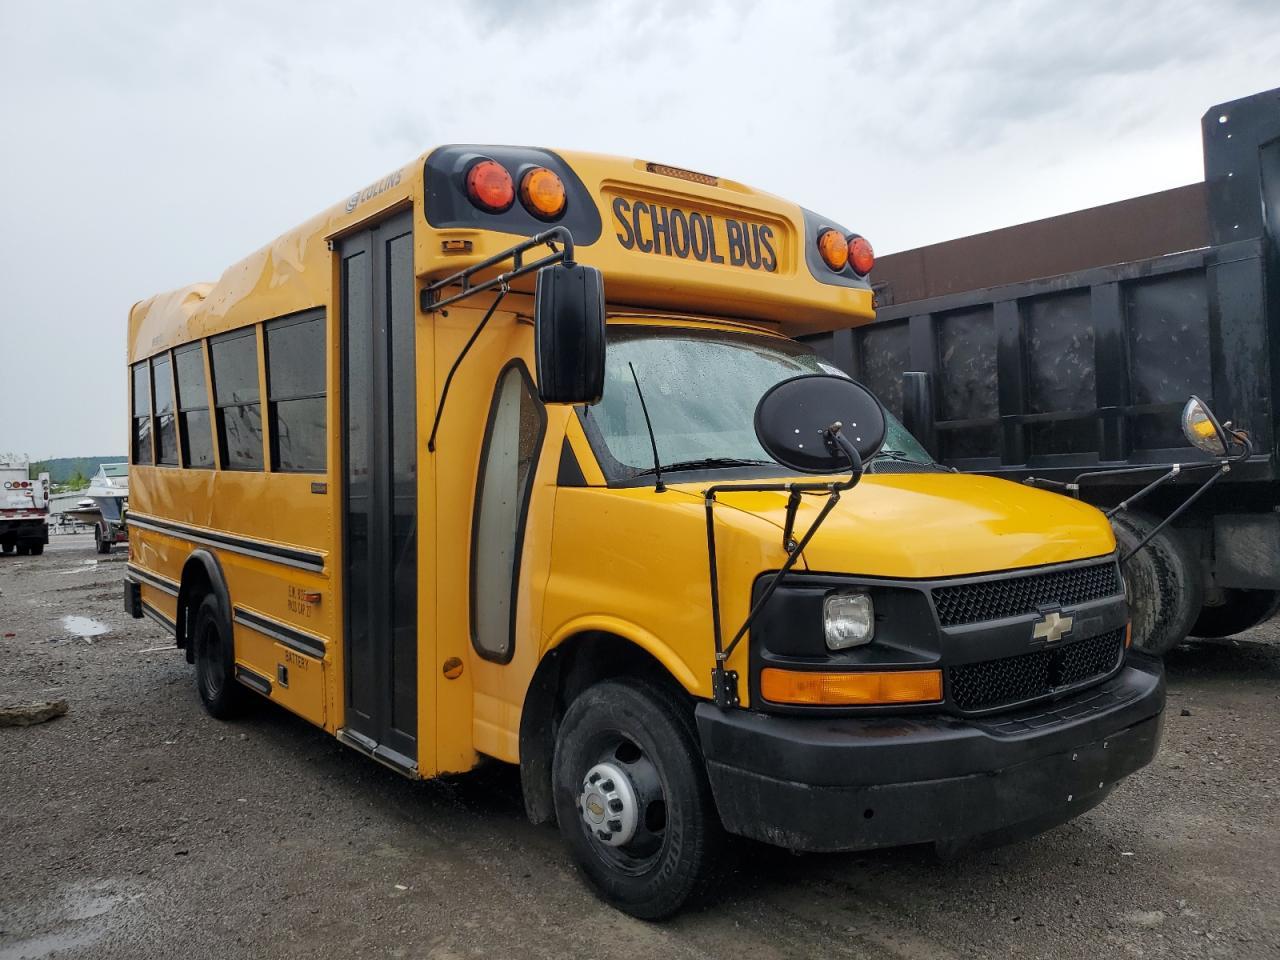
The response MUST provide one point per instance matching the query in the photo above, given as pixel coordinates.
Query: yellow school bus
(511, 454)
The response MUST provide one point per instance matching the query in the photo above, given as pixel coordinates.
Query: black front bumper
(853, 783)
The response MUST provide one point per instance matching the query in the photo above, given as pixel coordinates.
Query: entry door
(380, 503)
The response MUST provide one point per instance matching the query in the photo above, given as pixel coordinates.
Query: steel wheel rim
(644, 848)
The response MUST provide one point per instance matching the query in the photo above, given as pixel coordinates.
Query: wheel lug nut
(615, 805)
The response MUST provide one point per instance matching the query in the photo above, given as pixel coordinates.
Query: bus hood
(935, 525)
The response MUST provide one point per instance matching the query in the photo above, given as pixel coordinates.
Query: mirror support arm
(1223, 470)
(431, 299)
(724, 683)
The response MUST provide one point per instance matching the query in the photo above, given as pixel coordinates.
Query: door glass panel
(358, 326)
(404, 483)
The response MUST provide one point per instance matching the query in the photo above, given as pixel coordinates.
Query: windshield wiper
(900, 457)
(705, 463)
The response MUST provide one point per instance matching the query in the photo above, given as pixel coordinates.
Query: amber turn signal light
(489, 186)
(542, 193)
(833, 250)
(864, 688)
(861, 255)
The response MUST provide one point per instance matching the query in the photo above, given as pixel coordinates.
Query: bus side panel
(278, 509)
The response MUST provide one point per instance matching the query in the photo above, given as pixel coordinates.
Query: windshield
(701, 388)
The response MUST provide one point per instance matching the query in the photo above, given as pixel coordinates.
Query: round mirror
(792, 417)
(1202, 429)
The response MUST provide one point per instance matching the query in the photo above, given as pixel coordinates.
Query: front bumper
(854, 783)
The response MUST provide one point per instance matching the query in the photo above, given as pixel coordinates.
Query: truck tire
(1163, 583)
(7, 547)
(215, 659)
(632, 798)
(1240, 610)
(36, 548)
(100, 541)
(23, 549)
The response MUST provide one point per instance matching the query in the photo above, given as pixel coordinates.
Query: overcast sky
(149, 145)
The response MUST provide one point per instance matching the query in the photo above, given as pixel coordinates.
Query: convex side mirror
(1202, 429)
(794, 416)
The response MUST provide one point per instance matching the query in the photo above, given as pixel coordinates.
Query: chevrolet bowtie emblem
(1052, 628)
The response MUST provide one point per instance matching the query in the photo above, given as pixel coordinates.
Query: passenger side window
(238, 412)
(295, 392)
(166, 431)
(517, 423)
(193, 407)
(141, 433)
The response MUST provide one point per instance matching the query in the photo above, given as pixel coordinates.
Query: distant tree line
(72, 473)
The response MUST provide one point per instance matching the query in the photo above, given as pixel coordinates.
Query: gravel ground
(136, 826)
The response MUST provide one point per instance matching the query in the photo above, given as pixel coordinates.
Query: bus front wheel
(215, 662)
(632, 798)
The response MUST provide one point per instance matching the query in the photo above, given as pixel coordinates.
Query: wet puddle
(85, 627)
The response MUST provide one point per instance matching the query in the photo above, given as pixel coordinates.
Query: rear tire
(221, 694)
(23, 549)
(100, 541)
(7, 547)
(627, 755)
(1163, 583)
(36, 549)
(1240, 610)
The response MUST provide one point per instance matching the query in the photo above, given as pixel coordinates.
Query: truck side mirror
(569, 338)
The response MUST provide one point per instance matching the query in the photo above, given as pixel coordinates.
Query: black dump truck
(1063, 350)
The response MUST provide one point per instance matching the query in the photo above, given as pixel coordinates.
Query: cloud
(150, 145)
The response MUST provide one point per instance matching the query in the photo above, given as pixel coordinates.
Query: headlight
(849, 620)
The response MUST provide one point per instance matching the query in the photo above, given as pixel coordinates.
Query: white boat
(109, 490)
(84, 511)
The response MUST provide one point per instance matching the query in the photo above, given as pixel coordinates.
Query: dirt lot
(135, 826)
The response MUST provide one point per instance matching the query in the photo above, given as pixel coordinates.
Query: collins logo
(368, 193)
(1052, 627)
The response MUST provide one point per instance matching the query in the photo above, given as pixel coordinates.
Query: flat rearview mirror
(569, 340)
(1202, 429)
(793, 416)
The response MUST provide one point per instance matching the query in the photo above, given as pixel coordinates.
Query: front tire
(632, 798)
(216, 682)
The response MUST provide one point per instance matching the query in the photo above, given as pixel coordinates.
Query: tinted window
(235, 368)
(234, 359)
(141, 426)
(193, 407)
(165, 429)
(516, 423)
(295, 392)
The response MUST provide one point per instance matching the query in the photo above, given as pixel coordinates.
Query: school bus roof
(665, 239)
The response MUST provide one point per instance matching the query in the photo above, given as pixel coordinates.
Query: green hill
(68, 469)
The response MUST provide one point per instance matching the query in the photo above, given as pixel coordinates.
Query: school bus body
(598, 561)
